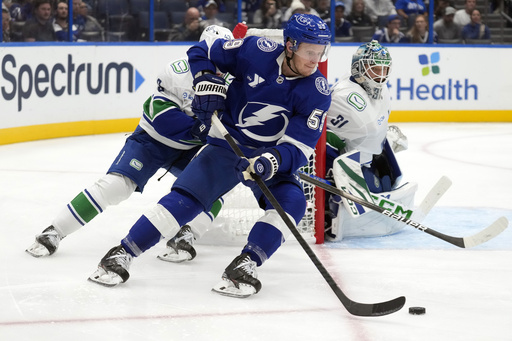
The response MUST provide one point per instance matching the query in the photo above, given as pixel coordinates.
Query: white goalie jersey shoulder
(357, 119)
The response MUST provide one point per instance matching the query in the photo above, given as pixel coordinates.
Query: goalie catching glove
(210, 96)
(265, 166)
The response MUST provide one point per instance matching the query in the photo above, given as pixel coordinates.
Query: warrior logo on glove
(211, 89)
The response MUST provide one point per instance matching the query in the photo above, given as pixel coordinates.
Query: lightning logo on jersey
(263, 122)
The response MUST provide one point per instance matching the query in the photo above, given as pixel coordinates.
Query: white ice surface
(467, 293)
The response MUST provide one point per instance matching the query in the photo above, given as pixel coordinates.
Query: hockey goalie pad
(373, 224)
(349, 177)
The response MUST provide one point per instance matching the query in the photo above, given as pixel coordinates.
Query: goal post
(320, 154)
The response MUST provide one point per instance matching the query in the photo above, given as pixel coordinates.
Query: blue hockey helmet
(371, 67)
(307, 28)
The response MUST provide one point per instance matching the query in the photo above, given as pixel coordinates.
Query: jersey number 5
(316, 119)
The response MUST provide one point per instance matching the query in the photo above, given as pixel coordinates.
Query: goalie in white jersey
(168, 136)
(361, 146)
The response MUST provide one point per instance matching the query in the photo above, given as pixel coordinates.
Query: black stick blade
(376, 309)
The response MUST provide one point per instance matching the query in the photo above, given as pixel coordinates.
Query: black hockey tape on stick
(484, 235)
(355, 308)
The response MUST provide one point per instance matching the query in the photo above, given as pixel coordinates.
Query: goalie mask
(307, 28)
(214, 32)
(371, 66)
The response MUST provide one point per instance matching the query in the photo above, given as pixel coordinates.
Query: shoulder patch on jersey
(232, 44)
(180, 66)
(322, 86)
(357, 101)
(266, 45)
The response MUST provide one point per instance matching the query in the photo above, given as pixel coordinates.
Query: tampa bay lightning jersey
(263, 107)
(167, 114)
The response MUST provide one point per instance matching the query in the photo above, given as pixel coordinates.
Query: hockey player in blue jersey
(275, 109)
(168, 136)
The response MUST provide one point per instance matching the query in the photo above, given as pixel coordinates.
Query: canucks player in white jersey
(168, 136)
(360, 147)
(275, 109)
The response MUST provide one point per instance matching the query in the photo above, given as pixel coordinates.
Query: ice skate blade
(171, 256)
(105, 278)
(37, 250)
(227, 288)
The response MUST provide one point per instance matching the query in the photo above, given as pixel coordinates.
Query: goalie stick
(355, 308)
(483, 236)
(436, 192)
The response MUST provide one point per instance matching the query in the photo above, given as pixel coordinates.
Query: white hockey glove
(265, 166)
(397, 139)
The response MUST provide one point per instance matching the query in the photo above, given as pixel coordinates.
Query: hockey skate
(113, 267)
(46, 243)
(239, 279)
(179, 248)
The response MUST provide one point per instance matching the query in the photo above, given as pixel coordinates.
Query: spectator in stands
(20, 10)
(358, 16)
(295, 7)
(418, 34)
(201, 5)
(40, 27)
(210, 16)
(6, 24)
(296, 4)
(439, 7)
(190, 29)
(380, 10)
(269, 15)
(308, 4)
(342, 27)
(476, 30)
(391, 33)
(445, 28)
(78, 19)
(409, 10)
(249, 7)
(91, 24)
(323, 8)
(463, 16)
(60, 22)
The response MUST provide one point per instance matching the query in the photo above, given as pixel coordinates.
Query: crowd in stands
(388, 21)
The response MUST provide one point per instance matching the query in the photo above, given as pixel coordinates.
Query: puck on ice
(417, 310)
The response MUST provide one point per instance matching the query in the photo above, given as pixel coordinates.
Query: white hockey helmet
(214, 32)
(371, 66)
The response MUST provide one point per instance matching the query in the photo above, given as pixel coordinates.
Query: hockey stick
(433, 196)
(355, 308)
(486, 234)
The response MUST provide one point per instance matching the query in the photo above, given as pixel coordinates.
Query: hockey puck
(417, 310)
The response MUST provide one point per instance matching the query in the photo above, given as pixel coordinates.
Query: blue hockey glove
(210, 95)
(200, 131)
(265, 166)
